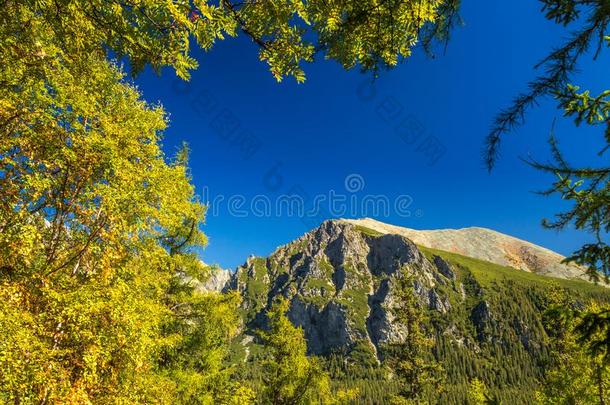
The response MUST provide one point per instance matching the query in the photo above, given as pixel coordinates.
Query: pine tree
(579, 371)
(590, 22)
(289, 375)
(409, 359)
(586, 187)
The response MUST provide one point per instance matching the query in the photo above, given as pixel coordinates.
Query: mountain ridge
(484, 244)
(520, 254)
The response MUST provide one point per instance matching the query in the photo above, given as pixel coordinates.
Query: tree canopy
(96, 224)
(370, 34)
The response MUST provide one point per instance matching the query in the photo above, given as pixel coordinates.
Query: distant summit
(484, 244)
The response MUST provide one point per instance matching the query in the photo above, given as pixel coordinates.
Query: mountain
(485, 318)
(339, 280)
(484, 244)
(216, 281)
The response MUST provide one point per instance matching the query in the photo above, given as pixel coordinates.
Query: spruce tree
(410, 359)
(289, 375)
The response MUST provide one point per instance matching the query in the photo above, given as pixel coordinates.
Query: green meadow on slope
(487, 273)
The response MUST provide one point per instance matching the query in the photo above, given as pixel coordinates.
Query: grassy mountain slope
(484, 244)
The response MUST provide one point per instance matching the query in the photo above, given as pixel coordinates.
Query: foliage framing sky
(311, 136)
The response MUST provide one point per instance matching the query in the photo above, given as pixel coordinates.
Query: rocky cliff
(339, 279)
(217, 280)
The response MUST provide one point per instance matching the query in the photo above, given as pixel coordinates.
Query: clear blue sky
(323, 130)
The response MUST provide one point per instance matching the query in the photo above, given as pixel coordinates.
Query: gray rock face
(438, 303)
(340, 283)
(444, 268)
(326, 327)
(217, 281)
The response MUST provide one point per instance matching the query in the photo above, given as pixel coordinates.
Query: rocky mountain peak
(339, 279)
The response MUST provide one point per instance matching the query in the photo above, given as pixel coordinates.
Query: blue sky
(309, 137)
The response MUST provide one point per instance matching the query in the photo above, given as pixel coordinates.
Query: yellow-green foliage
(195, 362)
(95, 224)
(477, 392)
(368, 33)
(289, 375)
(579, 372)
